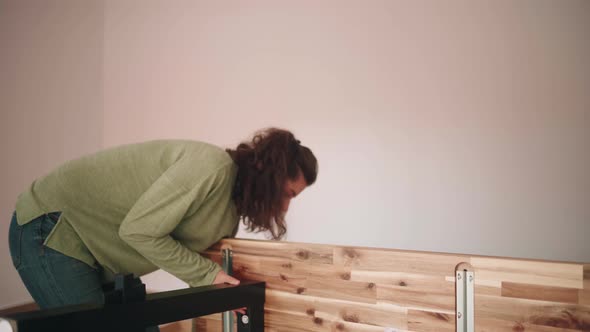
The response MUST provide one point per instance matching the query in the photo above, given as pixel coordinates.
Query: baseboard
(19, 308)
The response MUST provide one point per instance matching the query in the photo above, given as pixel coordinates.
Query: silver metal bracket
(227, 265)
(464, 285)
(244, 323)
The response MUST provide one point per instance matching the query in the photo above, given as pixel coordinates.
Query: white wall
(457, 126)
(50, 101)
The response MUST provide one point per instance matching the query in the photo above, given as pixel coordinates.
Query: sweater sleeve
(148, 226)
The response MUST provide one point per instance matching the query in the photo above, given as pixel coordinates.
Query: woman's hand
(224, 278)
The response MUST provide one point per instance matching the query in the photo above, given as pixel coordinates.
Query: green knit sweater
(140, 207)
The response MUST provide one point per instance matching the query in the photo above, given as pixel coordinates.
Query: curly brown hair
(265, 163)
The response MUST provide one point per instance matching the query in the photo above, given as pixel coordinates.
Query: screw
(459, 276)
(470, 278)
(245, 320)
(459, 315)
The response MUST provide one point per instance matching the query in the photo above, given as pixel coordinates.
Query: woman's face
(291, 189)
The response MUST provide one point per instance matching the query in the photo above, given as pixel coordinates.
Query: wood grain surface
(314, 287)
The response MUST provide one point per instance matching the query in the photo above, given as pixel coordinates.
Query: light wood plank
(408, 280)
(427, 321)
(487, 290)
(207, 323)
(281, 266)
(302, 252)
(180, 326)
(280, 283)
(290, 303)
(416, 299)
(497, 325)
(347, 311)
(529, 272)
(397, 261)
(341, 289)
(542, 313)
(374, 315)
(542, 293)
(282, 321)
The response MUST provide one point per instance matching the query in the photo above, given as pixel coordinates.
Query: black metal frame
(156, 309)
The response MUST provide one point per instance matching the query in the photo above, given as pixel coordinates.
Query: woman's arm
(149, 223)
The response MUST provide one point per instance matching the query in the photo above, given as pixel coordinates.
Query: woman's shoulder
(205, 162)
(187, 148)
(205, 151)
(203, 156)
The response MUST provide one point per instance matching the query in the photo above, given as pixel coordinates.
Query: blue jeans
(52, 278)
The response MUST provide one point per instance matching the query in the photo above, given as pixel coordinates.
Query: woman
(148, 206)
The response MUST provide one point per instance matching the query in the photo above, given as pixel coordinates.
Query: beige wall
(50, 100)
(457, 126)
(429, 119)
